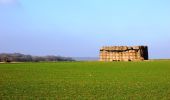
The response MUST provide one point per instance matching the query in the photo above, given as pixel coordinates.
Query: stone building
(124, 53)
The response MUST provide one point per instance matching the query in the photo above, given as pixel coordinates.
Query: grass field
(86, 80)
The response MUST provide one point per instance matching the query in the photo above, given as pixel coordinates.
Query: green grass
(86, 80)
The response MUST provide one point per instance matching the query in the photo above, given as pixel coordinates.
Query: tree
(6, 59)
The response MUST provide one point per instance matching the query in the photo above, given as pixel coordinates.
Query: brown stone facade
(124, 53)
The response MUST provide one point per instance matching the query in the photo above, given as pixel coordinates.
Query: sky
(79, 28)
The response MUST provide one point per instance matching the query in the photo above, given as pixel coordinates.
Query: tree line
(18, 57)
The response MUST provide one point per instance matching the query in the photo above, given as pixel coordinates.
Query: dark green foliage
(17, 57)
(86, 80)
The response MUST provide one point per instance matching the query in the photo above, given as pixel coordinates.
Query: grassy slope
(86, 80)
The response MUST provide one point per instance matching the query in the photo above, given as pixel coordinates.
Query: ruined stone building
(124, 53)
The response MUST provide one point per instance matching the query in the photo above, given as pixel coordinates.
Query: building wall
(123, 53)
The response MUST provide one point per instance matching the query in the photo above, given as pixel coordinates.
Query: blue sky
(80, 27)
